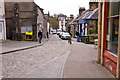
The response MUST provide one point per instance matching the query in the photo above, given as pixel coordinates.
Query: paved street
(37, 60)
(54, 59)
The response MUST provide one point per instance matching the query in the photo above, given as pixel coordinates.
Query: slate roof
(94, 14)
(74, 21)
(87, 14)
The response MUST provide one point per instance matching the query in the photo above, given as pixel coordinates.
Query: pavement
(9, 46)
(81, 63)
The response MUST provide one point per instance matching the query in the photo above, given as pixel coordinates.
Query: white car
(65, 35)
(59, 31)
(54, 31)
(60, 34)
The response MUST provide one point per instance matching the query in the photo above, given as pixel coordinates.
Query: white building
(2, 21)
(61, 22)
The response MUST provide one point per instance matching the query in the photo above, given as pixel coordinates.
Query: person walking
(47, 34)
(40, 36)
(71, 33)
(77, 34)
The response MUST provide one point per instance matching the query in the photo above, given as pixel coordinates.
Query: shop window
(113, 8)
(112, 27)
(0, 27)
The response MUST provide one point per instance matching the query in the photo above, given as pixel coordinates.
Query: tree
(53, 22)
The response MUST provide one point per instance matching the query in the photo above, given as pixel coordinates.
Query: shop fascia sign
(82, 21)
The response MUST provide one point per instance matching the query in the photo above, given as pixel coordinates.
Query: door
(1, 30)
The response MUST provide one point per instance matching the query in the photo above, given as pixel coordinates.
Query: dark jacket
(77, 33)
(40, 34)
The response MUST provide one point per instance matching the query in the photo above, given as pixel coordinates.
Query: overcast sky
(66, 7)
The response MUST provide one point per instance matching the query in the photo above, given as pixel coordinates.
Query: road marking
(62, 69)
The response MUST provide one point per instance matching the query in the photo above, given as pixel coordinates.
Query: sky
(65, 7)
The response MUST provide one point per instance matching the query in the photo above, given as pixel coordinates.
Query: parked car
(59, 31)
(54, 31)
(60, 34)
(65, 35)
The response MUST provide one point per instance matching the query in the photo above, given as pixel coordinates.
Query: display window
(112, 27)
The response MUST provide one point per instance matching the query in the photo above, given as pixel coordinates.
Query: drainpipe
(99, 32)
(102, 33)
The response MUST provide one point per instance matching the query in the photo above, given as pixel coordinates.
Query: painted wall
(2, 21)
(62, 19)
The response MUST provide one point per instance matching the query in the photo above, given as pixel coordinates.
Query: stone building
(21, 17)
(48, 22)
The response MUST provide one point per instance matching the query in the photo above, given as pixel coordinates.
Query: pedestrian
(40, 36)
(69, 40)
(47, 34)
(71, 33)
(77, 34)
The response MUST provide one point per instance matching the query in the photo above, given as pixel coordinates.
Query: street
(54, 59)
(40, 62)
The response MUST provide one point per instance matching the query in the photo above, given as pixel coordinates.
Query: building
(40, 20)
(61, 22)
(67, 21)
(73, 26)
(2, 21)
(21, 20)
(45, 27)
(109, 36)
(86, 19)
(47, 16)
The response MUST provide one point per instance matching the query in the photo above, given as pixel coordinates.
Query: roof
(85, 14)
(74, 21)
(61, 18)
(19, 0)
(46, 16)
(94, 15)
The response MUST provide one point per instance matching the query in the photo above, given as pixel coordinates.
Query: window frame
(106, 52)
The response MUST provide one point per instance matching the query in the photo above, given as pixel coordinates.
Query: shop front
(111, 36)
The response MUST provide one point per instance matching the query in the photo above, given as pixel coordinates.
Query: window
(112, 27)
(0, 27)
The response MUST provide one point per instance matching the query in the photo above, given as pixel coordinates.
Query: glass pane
(0, 27)
(113, 8)
(112, 35)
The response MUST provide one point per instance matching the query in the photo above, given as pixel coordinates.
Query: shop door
(1, 30)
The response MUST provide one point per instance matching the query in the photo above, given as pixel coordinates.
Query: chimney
(93, 5)
(71, 17)
(81, 9)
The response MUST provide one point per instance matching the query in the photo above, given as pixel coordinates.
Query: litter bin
(19, 36)
(86, 39)
(29, 36)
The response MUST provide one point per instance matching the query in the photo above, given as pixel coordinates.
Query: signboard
(29, 33)
(26, 29)
(83, 21)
